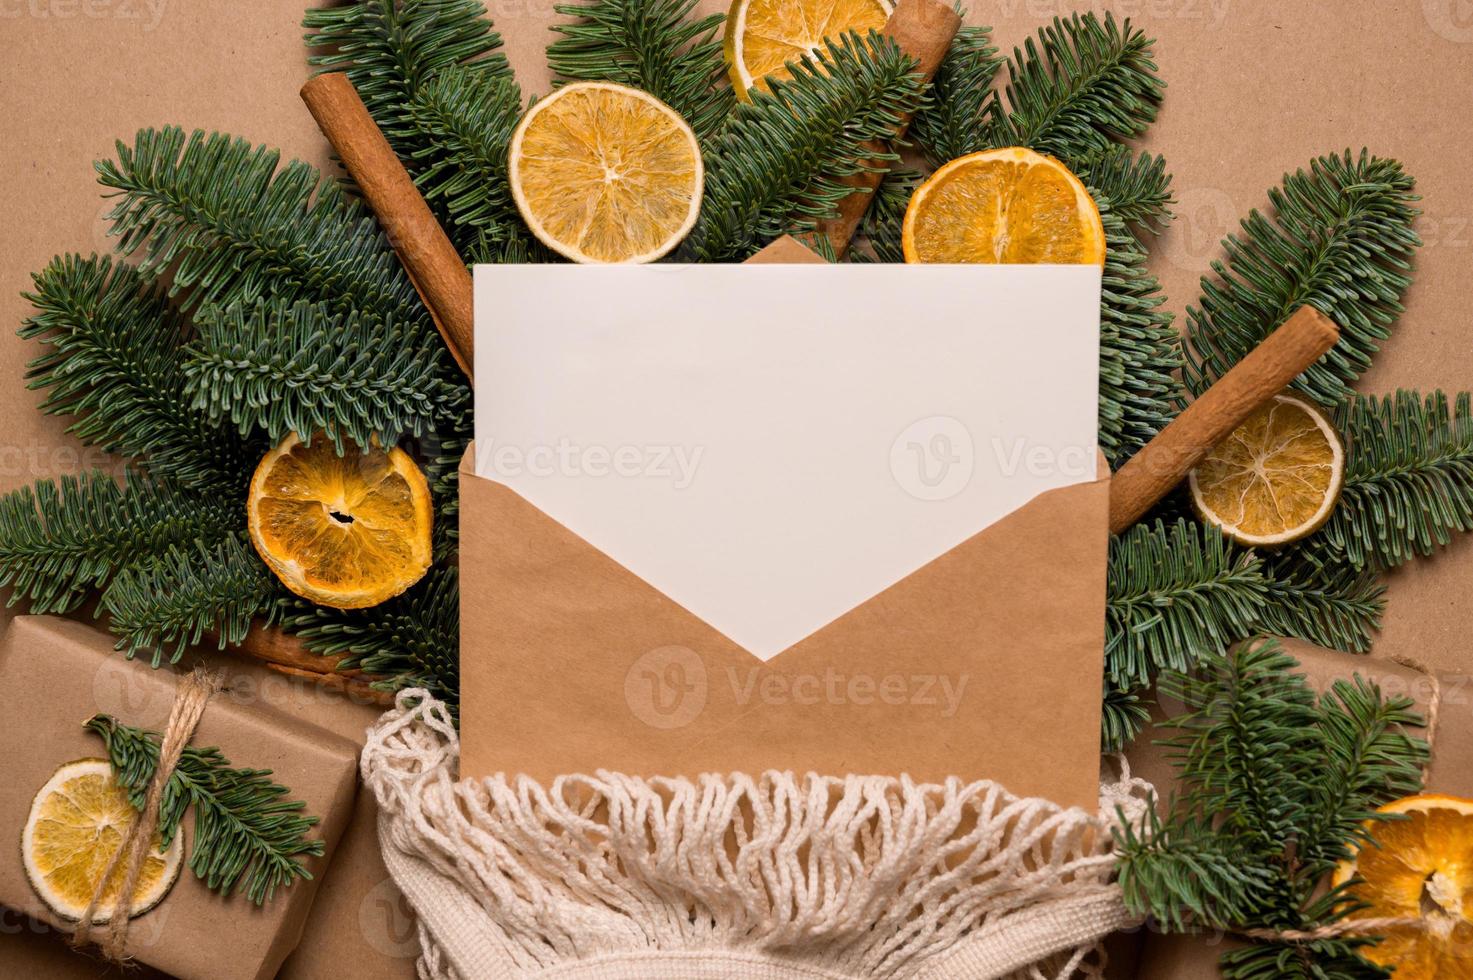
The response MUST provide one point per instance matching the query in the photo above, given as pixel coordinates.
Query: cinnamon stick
(923, 29)
(352, 687)
(1152, 473)
(435, 268)
(285, 654)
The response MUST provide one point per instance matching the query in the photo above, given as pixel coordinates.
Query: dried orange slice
(762, 36)
(1276, 479)
(1008, 206)
(347, 531)
(1419, 868)
(78, 821)
(606, 173)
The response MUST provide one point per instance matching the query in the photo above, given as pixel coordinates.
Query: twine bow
(194, 693)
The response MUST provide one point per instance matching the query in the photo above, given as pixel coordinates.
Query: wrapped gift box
(1444, 697)
(193, 932)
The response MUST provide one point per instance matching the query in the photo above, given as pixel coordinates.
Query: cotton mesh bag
(767, 877)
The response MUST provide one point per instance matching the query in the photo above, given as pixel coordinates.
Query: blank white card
(772, 445)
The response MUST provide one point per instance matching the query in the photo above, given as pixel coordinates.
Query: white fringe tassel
(769, 878)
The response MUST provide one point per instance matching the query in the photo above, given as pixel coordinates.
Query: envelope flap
(984, 663)
(772, 445)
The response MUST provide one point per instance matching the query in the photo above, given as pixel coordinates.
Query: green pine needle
(878, 238)
(1340, 240)
(1140, 351)
(1137, 188)
(652, 45)
(1408, 477)
(114, 362)
(248, 837)
(168, 605)
(278, 369)
(1331, 959)
(1176, 594)
(962, 112)
(779, 164)
(468, 117)
(1125, 715)
(1276, 785)
(62, 541)
(1083, 85)
(411, 641)
(432, 75)
(1329, 603)
(215, 213)
(392, 49)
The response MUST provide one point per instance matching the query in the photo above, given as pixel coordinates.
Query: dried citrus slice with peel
(1008, 206)
(78, 821)
(1276, 479)
(347, 531)
(762, 36)
(1420, 867)
(606, 173)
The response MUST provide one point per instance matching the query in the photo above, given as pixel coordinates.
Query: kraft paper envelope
(837, 518)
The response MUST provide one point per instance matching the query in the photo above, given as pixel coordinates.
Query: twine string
(193, 694)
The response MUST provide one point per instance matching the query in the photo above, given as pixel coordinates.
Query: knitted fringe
(611, 876)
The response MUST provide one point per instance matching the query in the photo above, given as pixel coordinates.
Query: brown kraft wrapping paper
(1451, 771)
(984, 664)
(194, 934)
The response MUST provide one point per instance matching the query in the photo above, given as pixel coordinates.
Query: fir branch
(963, 109)
(879, 235)
(444, 451)
(1083, 85)
(1328, 603)
(1408, 477)
(1370, 759)
(168, 605)
(779, 165)
(393, 49)
(1124, 716)
(1276, 786)
(1138, 188)
(1333, 959)
(1140, 351)
(1340, 240)
(410, 641)
(216, 214)
(115, 364)
(1176, 595)
(652, 45)
(248, 836)
(1248, 739)
(468, 118)
(61, 541)
(278, 369)
(1183, 875)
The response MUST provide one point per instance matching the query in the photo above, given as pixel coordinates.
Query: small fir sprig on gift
(248, 836)
(1277, 787)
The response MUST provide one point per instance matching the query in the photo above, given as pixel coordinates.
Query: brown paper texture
(1451, 772)
(1391, 76)
(193, 933)
(982, 664)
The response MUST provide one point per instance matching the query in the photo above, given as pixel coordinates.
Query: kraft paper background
(1257, 87)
